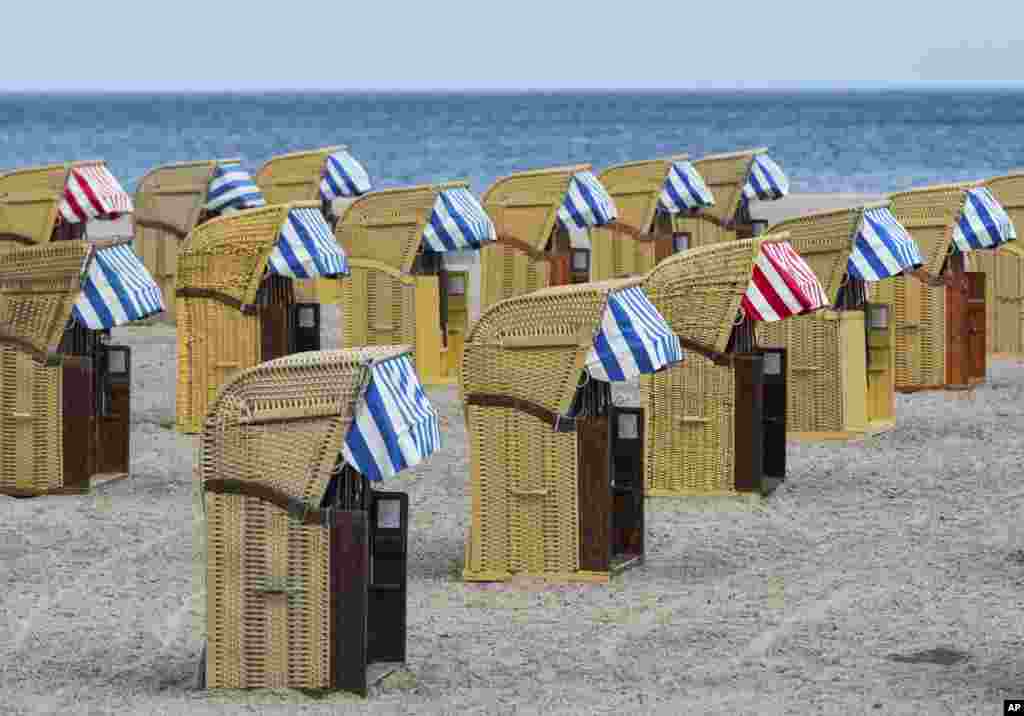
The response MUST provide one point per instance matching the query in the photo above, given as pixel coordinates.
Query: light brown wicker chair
(393, 295)
(231, 313)
(1004, 276)
(540, 500)
(55, 438)
(280, 553)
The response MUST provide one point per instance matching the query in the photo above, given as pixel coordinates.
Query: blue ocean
(826, 141)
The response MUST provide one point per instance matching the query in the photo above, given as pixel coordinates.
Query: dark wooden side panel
(114, 427)
(561, 269)
(976, 328)
(774, 413)
(749, 426)
(628, 484)
(274, 329)
(956, 333)
(386, 621)
(304, 327)
(594, 492)
(350, 576)
(79, 406)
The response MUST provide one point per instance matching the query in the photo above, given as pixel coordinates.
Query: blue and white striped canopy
(232, 189)
(394, 427)
(586, 204)
(634, 339)
(457, 222)
(343, 177)
(684, 190)
(883, 248)
(983, 223)
(306, 248)
(766, 180)
(117, 289)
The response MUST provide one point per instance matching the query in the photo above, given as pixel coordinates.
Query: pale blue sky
(525, 44)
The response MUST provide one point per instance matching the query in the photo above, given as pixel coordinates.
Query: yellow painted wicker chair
(394, 294)
(231, 313)
(540, 500)
(1004, 276)
(282, 543)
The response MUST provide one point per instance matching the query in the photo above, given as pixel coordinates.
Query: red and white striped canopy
(782, 285)
(92, 192)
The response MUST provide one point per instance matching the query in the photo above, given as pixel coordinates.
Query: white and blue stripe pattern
(457, 222)
(394, 426)
(983, 223)
(232, 189)
(766, 180)
(883, 248)
(306, 248)
(634, 339)
(117, 289)
(684, 190)
(586, 204)
(343, 177)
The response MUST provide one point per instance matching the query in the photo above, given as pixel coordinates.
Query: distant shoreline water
(856, 140)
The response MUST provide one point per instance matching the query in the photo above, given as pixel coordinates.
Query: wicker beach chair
(547, 499)
(537, 214)
(1004, 276)
(648, 195)
(66, 391)
(55, 202)
(839, 388)
(300, 590)
(400, 291)
(715, 425)
(734, 179)
(325, 175)
(173, 199)
(940, 321)
(236, 306)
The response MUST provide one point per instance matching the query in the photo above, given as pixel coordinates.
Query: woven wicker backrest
(295, 176)
(38, 289)
(229, 254)
(29, 200)
(169, 199)
(281, 424)
(636, 187)
(699, 291)
(387, 225)
(533, 347)
(930, 214)
(1009, 192)
(725, 175)
(524, 205)
(825, 241)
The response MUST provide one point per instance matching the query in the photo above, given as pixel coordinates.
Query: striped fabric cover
(343, 177)
(117, 289)
(586, 204)
(457, 222)
(782, 285)
(92, 192)
(634, 339)
(983, 223)
(232, 189)
(766, 180)
(684, 190)
(395, 427)
(306, 248)
(883, 248)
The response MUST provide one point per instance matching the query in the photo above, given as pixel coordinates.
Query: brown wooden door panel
(79, 408)
(957, 355)
(114, 415)
(976, 327)
(628, 481)
(594, 492)
(749, 427)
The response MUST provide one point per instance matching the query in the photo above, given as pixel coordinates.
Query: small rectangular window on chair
(878, 316)
(580, 260)
(117, 362)
(772, 363)
(629, 426)
(307, 317)
(680, 242)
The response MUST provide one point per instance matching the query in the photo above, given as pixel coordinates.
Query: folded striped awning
(684, 190)
(232, 189)
(766, 180)
(587, 203)
(457, 222)
(92, 192)
(983, 223)
(883, 248)
(306, 248)
(633, 340)
(782, 285)
(117, 289)
(343, 177)
(394, 427)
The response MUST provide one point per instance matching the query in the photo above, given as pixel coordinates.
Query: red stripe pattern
(92, 192)
(782, 285)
